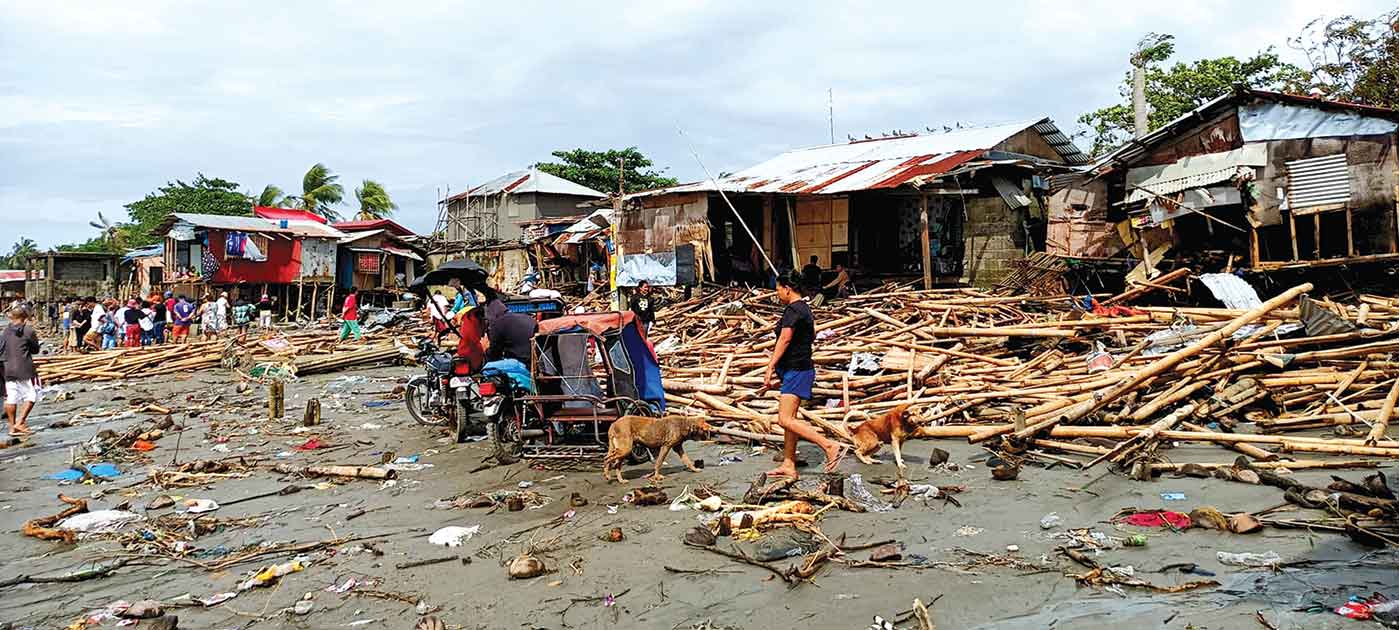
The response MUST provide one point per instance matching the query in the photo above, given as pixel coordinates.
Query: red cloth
(351, 310)
(170, 306)
(469, 346)
(1159, 518)
(133, 335)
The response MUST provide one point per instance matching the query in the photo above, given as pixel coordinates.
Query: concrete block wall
(993, 239)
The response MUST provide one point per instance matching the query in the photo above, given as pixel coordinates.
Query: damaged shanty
(1252, 179)
(966, 203)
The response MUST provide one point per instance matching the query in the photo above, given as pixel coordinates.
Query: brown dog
(893, 427)
(665, 433)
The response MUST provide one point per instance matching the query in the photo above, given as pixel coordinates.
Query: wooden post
(276, 400)
(1253, 246)
(1292, 230)
(1316, 236)
(300, 293)
(792, 232)
(312, 416)
(1350, 234)
(315, 294)
(927, 246)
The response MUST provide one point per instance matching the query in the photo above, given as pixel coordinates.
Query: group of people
(489, 332)
(90, 324)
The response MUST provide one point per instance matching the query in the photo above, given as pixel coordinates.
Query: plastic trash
(860, 494)
(100, 521)
(1268, 559)
(1050, 521)
(1172, 496)
(199, 506)
(102, 470)
(269, 575)
(216, 599)
(453, 535)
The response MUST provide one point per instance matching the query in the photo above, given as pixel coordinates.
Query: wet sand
(1034, 593)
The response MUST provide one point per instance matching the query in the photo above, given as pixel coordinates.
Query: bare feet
(834, 456)
(785, 471)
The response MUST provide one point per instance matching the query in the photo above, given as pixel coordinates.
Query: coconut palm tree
(374, 202)
(319, 191)
(19, 253)
(271, 197)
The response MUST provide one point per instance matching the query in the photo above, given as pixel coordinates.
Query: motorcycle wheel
(507, 441)
(639, 454)
(416, 393)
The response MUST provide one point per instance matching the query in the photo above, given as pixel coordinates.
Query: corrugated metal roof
(1318, 181)
(875, 164)
(530, 180)
(308, 229)
(11, 275)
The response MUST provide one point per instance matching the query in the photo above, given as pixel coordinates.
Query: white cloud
(100, 103)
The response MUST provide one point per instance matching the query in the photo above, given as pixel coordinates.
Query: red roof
(373, 224)
(11, 275)
(289, 214)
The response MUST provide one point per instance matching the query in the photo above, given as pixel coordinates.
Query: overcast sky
(101, 102)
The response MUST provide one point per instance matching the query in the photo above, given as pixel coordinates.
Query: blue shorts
(798, 382)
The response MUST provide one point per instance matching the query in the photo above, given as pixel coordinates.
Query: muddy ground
(1026, 589)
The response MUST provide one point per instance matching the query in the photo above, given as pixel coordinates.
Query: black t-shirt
(811, 275)
(510, 336)
(133, 316)
(264, 306)
(797, 316)
(82, 321)
(159, 312)
(645, 307)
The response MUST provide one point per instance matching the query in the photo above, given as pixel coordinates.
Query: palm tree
(374, 202)
(271, 197)
(319, 191)
(20, 253)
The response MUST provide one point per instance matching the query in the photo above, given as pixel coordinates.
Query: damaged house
(958, 206)
(1253, 179)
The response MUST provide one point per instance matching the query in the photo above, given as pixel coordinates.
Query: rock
(615, 535)
(1006, 472)
(700, 537)
(938, 457)
(160, 502)
(144, 609)
(1247, 476)
(1208, 518)
(525, 567)
(577, 500)
(1244, 524)
(430, 623)
(303, 607)
(886, 553)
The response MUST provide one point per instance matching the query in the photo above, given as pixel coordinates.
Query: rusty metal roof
(877, 163)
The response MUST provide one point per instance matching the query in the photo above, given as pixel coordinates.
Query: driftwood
(359, 472)
(41, 528)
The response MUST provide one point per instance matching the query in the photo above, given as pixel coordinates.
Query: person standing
(264, 312)
(104, 322)
(811, 275)
(160, 314)
(131, 316)
(208, 318)
(184, 317)
(438, 311)
(18, 344)
(643, 303)
(791, 364)
(221, 310)
(82, 323)
(349, 314)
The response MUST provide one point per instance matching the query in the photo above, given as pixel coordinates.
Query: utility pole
(614, 257)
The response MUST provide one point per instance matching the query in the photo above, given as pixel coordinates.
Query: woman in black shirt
(791, 362)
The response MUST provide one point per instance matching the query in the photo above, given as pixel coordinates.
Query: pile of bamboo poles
(309, 351)
(1034, 376)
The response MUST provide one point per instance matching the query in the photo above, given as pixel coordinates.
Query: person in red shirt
(349, 314)
(472, 328)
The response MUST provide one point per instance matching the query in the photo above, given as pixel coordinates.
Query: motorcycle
(447, 394)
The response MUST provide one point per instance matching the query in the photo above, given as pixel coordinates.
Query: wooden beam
(1292, 231)
(1350, 233)
(1316, 237)
(1253, 247)
(927, 247)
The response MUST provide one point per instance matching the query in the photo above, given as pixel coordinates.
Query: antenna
(726, 200)
(831, 112)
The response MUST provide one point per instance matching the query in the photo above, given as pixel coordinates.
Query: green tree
(271, 197)
(1352, 59)
(374, 201)
(201, 196)
(1176, 89)
(19, 254)
(598, 170)
(320, 191)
